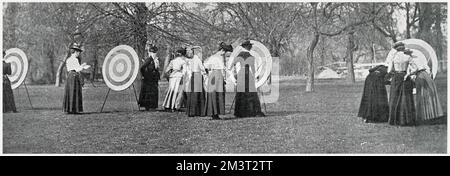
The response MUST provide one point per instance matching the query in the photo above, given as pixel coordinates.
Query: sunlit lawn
(321, 122)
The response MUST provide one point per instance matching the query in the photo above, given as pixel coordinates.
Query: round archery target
(19, 66)
(263, 62)
(120, 67)
(425, 49)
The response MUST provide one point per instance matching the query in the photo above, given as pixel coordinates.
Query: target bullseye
(19, 66)
(120, 67)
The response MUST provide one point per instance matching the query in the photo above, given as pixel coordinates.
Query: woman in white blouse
(176, 70)
(215, 100)
(195, 94)
(428, 105)
(73, 99)
(401, 99)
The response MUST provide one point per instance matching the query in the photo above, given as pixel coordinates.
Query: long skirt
(148, 98)
(195, 95)
(374, 105)
(174, 94)
(247, 100)
(73, 99)
(8, 97)
(428, 105)
(401, 101)
(215, 96)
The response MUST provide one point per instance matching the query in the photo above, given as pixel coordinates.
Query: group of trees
(303, 35)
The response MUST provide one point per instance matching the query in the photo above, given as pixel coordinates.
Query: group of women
(404, 71)
(200, 87)
(187, 77)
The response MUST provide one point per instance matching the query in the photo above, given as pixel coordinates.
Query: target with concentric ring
(263, 62)
(19, 66)
(120, 67)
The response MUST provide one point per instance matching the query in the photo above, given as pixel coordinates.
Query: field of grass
(320, 122)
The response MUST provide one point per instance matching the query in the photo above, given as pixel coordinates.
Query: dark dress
(195, 95)
(247, 100)
(73, 99)
(215, 97)
(148, 98)
(374, 105)
(8, 96)
(401, 101)
(428, 105)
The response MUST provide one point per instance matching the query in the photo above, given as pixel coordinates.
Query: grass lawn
(320, 122)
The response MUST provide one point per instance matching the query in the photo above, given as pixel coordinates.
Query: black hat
(225, 47)
(246, 43)
(153, 48)
(398, 44)
(181, 51)
(76, 46)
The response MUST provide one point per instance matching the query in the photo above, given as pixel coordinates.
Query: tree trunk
(310, 56)
(408, 23)
(166, 60)
(349, 60)
(373, 53)
(59, 72)
(425, 22)
(439, 37)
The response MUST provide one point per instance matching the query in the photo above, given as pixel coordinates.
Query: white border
(212, 154)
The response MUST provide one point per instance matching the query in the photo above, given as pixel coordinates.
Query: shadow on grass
(438, 121)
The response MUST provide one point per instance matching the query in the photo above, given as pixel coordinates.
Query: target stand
(120, 69)
(19, 69)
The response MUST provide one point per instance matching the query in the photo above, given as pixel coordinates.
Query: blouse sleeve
(72, 64)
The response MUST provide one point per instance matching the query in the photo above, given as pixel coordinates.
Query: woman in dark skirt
(8, 96)
(73, 99)
(247, 100)
(195, 93)
(401, 100)
(215, 97)
(148, 98)
(428, 106)
(374, 105)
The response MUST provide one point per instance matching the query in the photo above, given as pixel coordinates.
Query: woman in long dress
(374, 105)
(195, 93)
(176, 71)
(428, 106)
(247, 100)
(215, 66)
(148, 97)
(401, 100)
(8, 97)
(73, 99)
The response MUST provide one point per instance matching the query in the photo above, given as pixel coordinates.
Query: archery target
(120, 67)
(425, 49)
(263, 62)
(19, 66)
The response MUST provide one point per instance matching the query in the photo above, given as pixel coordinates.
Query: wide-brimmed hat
(246, 43)
(76, 46)
(398, 44)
